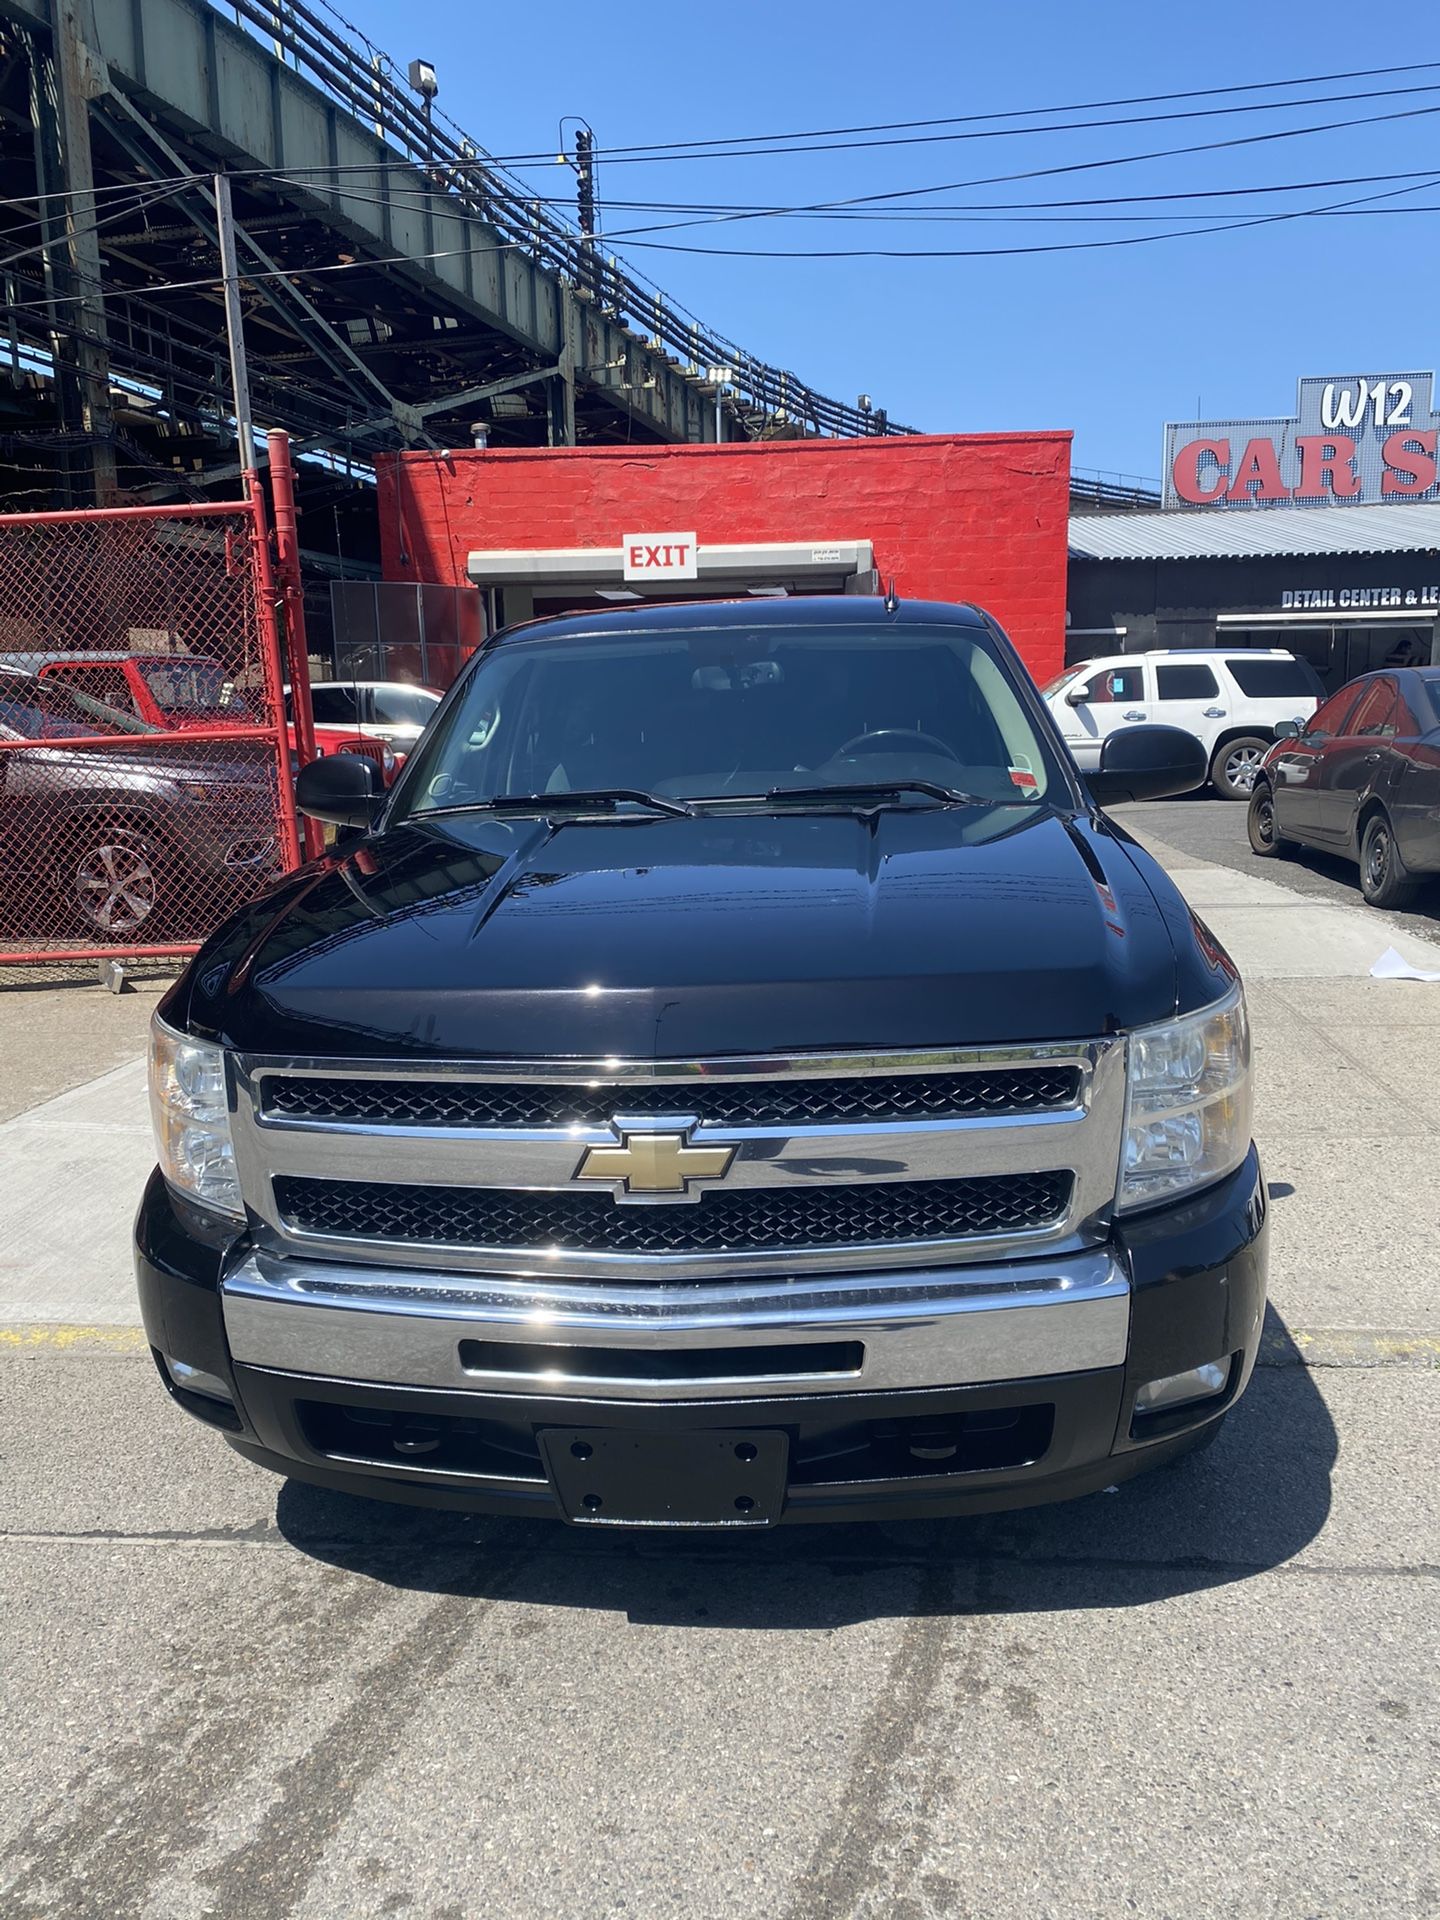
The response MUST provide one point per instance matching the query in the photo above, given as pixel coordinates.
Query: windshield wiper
(594, 800)
(849, 792)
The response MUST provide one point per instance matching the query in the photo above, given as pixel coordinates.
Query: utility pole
(234, 324)
(584, 165)
(585, 202)
(78, 80)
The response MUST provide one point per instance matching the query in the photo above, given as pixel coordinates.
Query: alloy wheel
(1241, 767)
(116, 886)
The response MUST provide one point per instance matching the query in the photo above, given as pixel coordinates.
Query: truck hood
(650, 938)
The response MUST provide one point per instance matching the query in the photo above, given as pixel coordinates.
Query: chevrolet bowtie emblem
(654, 1163)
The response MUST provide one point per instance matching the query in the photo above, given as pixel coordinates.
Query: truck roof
(759, 610)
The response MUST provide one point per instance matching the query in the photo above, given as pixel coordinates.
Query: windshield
(193, 687)
(1052, 687)
(729, 713)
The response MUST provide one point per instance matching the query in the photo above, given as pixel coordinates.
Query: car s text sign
(659, 556)
(1357, 439)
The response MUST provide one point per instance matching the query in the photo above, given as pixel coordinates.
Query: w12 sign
(659, 556)
(1356, 439)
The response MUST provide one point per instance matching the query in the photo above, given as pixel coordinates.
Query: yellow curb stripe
(60, 1337)
(1350, 1347)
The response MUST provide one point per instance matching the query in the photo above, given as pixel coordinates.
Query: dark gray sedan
(1362, 779)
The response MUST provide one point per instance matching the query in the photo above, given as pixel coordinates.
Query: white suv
(1231, 699)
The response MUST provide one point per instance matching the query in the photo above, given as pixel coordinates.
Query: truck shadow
(1254, 1500)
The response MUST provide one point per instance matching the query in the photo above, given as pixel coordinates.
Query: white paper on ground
(1391, 966)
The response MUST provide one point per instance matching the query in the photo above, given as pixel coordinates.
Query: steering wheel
(880, 742)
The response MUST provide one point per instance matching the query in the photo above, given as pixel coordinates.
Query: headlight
(1187, 1115)
(191, 1115)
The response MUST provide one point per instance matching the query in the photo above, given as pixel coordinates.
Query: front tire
(1235, 765)
(1384, 878)
(1265, 839)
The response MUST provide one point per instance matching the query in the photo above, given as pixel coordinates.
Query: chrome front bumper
(758, 1338)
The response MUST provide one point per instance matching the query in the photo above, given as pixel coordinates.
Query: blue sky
(1108, 342)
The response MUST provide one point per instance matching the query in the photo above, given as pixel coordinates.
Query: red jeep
(178, 691)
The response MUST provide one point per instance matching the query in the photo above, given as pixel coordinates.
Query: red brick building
(979, 517)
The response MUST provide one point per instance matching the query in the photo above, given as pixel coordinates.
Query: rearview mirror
(1076, 696)
(1147, 763)
(1288, 729)
(345, 789)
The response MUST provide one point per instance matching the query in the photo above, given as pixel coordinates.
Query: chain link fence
(145, 759)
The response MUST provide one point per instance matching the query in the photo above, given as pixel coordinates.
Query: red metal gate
(145, 762)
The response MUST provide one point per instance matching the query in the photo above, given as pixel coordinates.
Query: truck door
(1111, 698)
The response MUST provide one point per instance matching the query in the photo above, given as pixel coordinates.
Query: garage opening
(1338, 647)
(529, 583)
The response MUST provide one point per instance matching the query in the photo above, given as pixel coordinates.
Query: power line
(1020, 206)
(211, 283)
(144, 201)
(1058, 246)
(481, 163)
(102, 193)
(1013, 113)
(1073, 166)
(655, 158)
(636, 236)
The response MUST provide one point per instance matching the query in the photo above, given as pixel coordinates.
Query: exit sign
(659, 556)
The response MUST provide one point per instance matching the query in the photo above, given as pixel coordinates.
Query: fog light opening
(195, 1380)
(1186, 1389)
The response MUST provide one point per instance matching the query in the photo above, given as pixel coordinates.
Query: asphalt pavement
(1210, 1691)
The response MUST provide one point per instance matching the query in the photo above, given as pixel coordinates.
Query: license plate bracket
(618, 1477)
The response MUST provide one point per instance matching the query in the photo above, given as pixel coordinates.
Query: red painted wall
(979, 516)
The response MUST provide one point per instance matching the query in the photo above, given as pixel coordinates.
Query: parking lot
(1211, 1690)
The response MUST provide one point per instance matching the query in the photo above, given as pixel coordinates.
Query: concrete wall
(978, 517)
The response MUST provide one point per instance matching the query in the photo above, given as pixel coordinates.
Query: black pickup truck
(736, 1075)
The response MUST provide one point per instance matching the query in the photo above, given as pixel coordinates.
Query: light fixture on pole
(719, 378)
(422, 79)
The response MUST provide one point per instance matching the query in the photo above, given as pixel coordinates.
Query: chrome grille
(736, 1103)
(744, 1221)
(867, 1162)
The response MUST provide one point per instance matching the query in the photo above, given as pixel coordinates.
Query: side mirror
(1147, 763)
(1077, 695)
(1288, 729)
(345, 789)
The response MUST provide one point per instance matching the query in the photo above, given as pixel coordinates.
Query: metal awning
(1235, 533)
(775, 563)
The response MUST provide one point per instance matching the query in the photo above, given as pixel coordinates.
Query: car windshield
(192, 687)
(1052, 687)
(730, 714)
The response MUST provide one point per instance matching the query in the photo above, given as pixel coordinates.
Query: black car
(736, 1074)
(116, 843)
(1361, 779)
